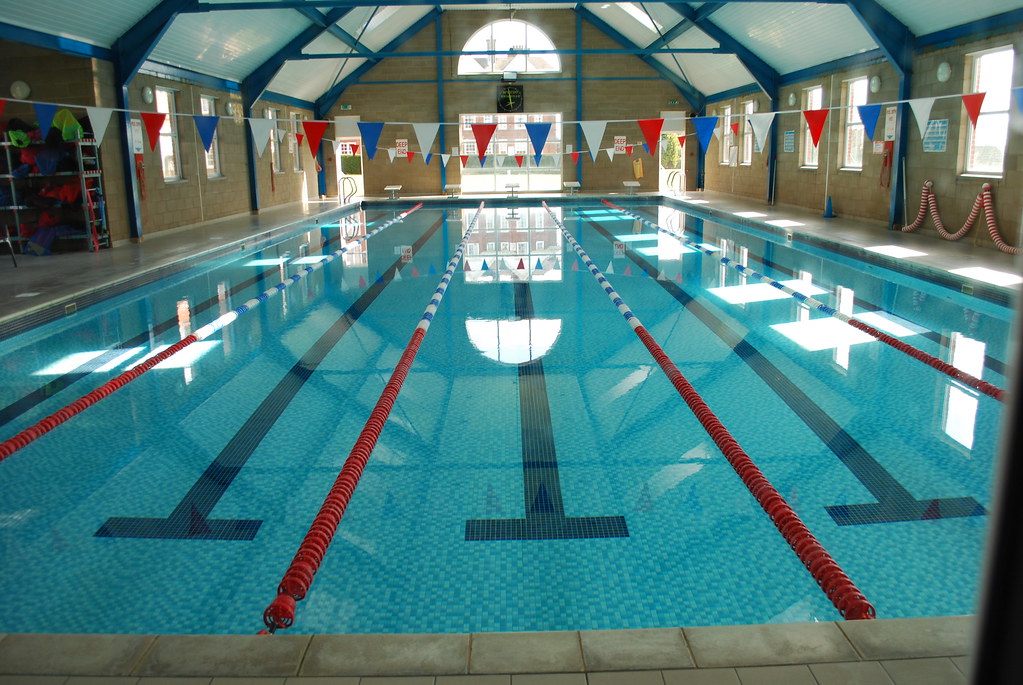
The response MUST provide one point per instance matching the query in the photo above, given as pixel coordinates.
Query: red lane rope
(984, 201)
(294, 586)
(843, 593)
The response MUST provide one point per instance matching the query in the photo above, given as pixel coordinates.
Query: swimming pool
(174, 505)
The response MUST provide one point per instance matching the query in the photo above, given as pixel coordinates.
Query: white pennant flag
(444, 159)
(498, 161)
(922, 111)
(610, 153)
(593, 131)
(425, 135)
(761, 124)
(610, 268)
(260, 133)
(280, 134)
(391, 152)
(99, 117)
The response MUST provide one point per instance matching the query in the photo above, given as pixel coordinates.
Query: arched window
(505, 37)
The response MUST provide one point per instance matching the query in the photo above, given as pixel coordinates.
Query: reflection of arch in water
(513, 341)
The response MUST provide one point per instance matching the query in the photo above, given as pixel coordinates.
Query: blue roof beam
(891, 35)
(695, 98)
(133, 48)
(333, 29)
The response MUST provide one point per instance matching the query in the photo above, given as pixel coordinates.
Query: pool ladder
(346, 187)
(676, 182)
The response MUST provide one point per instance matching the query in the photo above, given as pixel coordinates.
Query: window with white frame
(275, 147)
(507, 39)
(296, 130)
(855, 96)
(208, 107)
(747, 134)
(991, 73)
(813, 98)
(170, 154)
(726, 132)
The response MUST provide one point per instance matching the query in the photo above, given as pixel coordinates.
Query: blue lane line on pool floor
(894, 501)
(189, 519)
(541, 483)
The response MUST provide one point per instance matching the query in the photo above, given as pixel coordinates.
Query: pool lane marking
(541, 483)
(968, 379)
(895, 503)
(30, 434)
(836, 584)
(189, 519)
(294, 585)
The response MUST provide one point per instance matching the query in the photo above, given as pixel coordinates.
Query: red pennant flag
(682, 141)
(519, 158)
(467, 265)
(575, 266)
(575, 157)
(815, 119)
(522, 265)
(483, 133)
(651, 132)
(313, 133)
(355, 148)
(464, 158)
(735, 129)
(415, 271)
(299, 137)
(628, 150)
(628, 270)
(153, 121)
(410, 155)
(3, 103)
(972, 103)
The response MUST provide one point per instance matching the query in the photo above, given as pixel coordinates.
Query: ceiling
(311, 50)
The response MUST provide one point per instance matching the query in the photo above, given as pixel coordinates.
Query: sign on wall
(790, 141)
(891, 115)
(936, 135)
(619, 145)
(401, 147)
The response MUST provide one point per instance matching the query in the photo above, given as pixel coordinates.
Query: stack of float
(299, 576)
(983, 201)
(842, 592)
(988, 389)
(13, 444)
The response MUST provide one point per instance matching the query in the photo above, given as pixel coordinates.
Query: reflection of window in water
(513, 342)
(960, 410)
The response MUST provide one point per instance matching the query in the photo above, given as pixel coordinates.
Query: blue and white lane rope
(228, 318)
(983, 386)
(442, 287)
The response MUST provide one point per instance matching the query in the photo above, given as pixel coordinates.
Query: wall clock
(509, 98)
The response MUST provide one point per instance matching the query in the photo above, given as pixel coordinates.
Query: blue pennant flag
(1017, 93)
(370, 132)
(869, 115)
(538, 137)
(207, 128)
(484, 267)
(44, 115)
(429, 156)
(704, 130)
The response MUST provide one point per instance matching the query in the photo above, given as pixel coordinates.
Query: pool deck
(934, 651)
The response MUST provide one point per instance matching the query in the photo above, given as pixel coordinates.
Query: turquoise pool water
(176, 504)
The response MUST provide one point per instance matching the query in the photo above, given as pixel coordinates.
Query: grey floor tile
(322, 680)
(964, 664)
(625, 678)
(616, 650)
(33, 679)
(158, 680)
(83, 654)
(397, 680)
(701, 676)
(767, 645)
(775, 675)
(935, 671)
(101, 680)
(549, 679)
(850, 673)
(251, 656)
(473, 680)
(907, 638)
(389, 655)
(557, 652)
(247, 681)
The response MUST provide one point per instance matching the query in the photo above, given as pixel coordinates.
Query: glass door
(510, 142)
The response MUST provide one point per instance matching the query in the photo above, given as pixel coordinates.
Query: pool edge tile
(542, 652)
(907, 638)
(72, 653)
(624, 650)
(768, 645)
(386, 655)
(224, 655)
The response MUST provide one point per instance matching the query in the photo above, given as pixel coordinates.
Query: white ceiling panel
(103, 23)
(309, 79)
(927, 16)
(390, 23)
(793, 36)
(711, 74)
(326, 43)
(694, 38)
(229, 44)
(629, 20)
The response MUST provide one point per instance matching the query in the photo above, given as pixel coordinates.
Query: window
(726, 132)
(208, 107)
(296, 130)
(275, 146)
(985, 147)
(504, 37)
(170, 155)
(855, 95)
(747, 134)
(813, 98)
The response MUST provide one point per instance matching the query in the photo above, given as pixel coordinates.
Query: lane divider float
(983, 201)
(972, 381)
(843, 593)
(44, 426)
(294, 586)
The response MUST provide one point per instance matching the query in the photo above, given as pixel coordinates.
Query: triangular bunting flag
(391, 152)
(432, 271)
(483, 133)
(735, 128)
(628, 150)
(593, 131)
(869, 115)
(207, 128)
(922, 111)
(485, 267)
(661, 276)
(682, 142)
(704, 130)
(815, 119)
(610, 153)
(538, 137)
(628, 270)
(761, 124)
(651, 131)
(313, 134)
(519, 159)
(499, 161)
(397, 275)
(444, 159)
(464, 158)
(281, 132)
(483, 161)
(410, 154)
(429, 156)
(522, 264)
(370, 132)
(355, 148)
(610, 268)
(154, 121)
(299, 138)
(574, 156)
(973, 102)
(44, 115)
(260, 129)
(467, 267)
(678, 277)
(425, 135)
(575, 266)
(538, 264)
(646, 149)
(415, 271)
(362, 281)
(99, 118)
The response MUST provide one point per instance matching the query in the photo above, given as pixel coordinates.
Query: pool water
(538, 471)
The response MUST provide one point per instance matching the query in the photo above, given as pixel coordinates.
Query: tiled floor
(931, 651)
